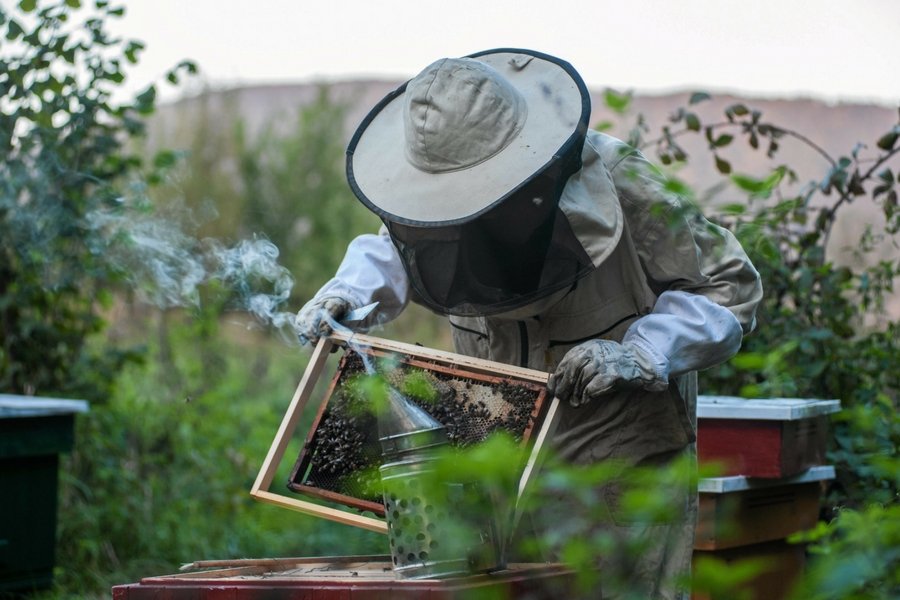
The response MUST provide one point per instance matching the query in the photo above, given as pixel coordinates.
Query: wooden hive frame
(544, 424)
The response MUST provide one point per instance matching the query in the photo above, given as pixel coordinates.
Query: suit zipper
(553, 343)
(523, 344)
(480, 334)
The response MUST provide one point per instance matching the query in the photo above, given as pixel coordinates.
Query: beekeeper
(549, 246)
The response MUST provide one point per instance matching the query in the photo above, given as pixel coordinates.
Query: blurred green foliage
(825, 329)
(62, 140)
(855, 556)
(160, 475)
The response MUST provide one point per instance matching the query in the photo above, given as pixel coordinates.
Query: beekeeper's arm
(370, 272)
(707, 291)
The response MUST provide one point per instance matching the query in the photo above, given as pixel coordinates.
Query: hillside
(836, 128)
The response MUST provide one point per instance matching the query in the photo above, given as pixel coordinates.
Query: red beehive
(771, 438)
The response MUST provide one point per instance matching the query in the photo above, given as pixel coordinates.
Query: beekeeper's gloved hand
(597, 367)
(312, 321)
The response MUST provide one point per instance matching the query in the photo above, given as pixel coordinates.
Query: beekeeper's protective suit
(551, 247)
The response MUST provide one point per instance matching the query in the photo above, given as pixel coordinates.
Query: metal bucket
(437, 530)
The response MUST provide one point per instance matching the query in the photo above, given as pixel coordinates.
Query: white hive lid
(770, 409)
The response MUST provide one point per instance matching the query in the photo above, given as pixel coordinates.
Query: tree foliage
(825, 329)
(62, 139)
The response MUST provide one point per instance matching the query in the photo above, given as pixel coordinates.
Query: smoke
(167, 266)
(257, 261)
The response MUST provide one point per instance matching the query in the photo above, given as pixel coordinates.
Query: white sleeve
(686, 332)
(371, 271)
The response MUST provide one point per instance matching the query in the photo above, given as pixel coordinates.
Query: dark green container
(33, 433)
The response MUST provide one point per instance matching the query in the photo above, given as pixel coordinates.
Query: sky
(835, 50)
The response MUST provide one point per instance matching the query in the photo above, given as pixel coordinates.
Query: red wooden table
(343, 579)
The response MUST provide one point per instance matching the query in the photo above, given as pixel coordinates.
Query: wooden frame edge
(260, 490)
(317, 510)
(470, 362)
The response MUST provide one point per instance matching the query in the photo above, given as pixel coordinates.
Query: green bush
(823, 330)
(61, 142)
(856, 556)
(161, 474)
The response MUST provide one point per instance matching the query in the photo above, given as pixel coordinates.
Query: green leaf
(723, 140)
(165, 159)
(131, 51)
(73, 3)
(145, 101)
(768, 250)
(749, 361)
(887, 141)
(748, 184)
(698, 97)
(14, 30)
(189, 65)
(692, 122)
(617, 101)
(27, 5)
(890, 203)
(734, 209)
(855, 186)
(603, 126)
(738, 110)
(676, 186)
(775, 177)
(723, 166)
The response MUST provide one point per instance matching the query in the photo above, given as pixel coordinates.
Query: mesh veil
(517, 252)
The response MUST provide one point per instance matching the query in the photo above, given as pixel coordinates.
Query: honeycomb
(342, 455)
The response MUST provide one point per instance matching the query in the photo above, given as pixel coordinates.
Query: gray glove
(312, 323)
(598, 367)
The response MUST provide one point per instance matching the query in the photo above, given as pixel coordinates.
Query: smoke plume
(167, 266)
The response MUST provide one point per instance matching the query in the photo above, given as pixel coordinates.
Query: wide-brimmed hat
(465, 134)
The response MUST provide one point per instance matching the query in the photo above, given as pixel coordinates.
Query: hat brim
(558, 109)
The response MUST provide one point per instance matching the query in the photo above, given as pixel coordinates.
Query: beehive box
(771, 438)
(739, 511)
(340, 455)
